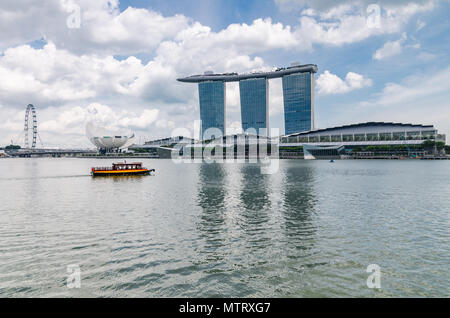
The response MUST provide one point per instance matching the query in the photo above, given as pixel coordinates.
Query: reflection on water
(213, 230)
(254, 207)
(211, 198)
(124, 178)
(299, 205)
(254, 196)
(212, 193)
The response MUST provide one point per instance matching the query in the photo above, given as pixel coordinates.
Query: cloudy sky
(117, 62)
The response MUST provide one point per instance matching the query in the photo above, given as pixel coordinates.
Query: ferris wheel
(30, 124)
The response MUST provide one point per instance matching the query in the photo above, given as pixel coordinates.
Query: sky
(115, 63)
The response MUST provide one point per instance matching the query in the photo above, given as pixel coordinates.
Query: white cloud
(234, 128)
(233, 97)
(106, 30)
(390, 48)
(73, 120)
(163, 123)
(49, 75)
(329, 83)
(415, 88)
(276, 102)
(421, 98)
(103, 27)
(52, 76)
(143, 121)
(426, 56)
(324, 5)
(197, 48)
(349, 23)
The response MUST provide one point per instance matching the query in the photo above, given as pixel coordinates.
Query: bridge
(29, 152)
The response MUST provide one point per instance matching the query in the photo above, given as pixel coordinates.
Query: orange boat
(121, 169)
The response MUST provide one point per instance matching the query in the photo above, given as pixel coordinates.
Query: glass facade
(212, 108)
(377, 137)
(254, 104)
(298, 94)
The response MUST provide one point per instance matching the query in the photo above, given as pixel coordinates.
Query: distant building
(322, 152)
(298, 91)
(170, 141)
(107, 141)
(371, 133)
(254, 93)
(372, 139)
(333, 142)
(301, 137)
(212, 96)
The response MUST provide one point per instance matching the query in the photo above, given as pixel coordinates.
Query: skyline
(120, 66)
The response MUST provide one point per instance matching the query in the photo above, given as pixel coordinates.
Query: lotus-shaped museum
(108, 140)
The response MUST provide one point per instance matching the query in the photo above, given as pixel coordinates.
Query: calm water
(204, 230)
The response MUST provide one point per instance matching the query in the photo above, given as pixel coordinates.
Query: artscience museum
(108, 141)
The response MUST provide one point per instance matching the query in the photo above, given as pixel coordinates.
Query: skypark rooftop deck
(235, 77)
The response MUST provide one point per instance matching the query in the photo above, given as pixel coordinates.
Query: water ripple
(215, 230)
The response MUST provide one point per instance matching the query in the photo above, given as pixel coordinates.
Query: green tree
(12, 147)
(428, 145)
(440, 145)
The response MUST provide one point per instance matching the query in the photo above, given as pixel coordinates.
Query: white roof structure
(235, 77)
(104, 139)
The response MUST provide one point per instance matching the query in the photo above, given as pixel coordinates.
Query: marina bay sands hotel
(298, 95)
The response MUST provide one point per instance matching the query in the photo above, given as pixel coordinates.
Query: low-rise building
(366, 139)
(170, 141)
(372, 133)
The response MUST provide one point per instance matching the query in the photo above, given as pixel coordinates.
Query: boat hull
(108, 173)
